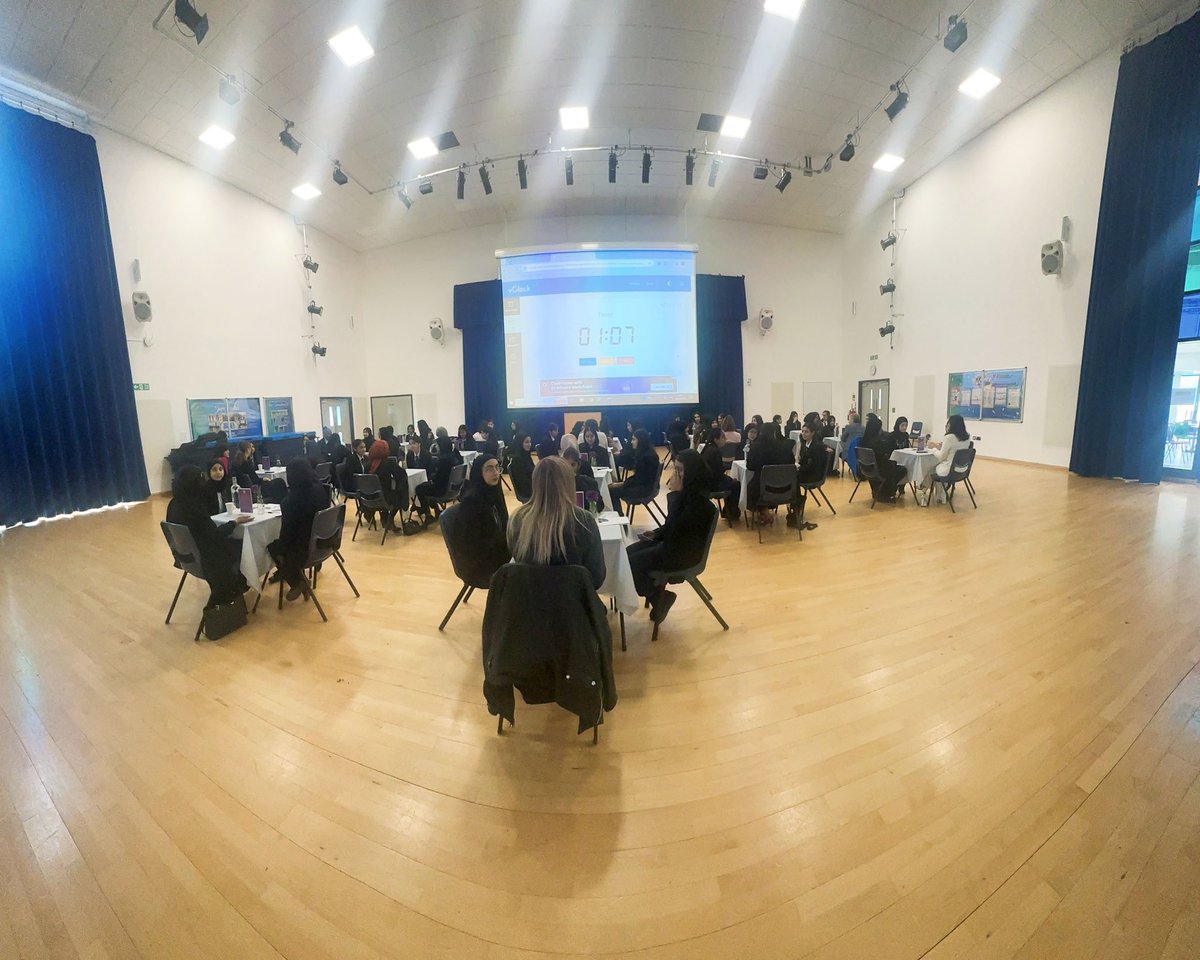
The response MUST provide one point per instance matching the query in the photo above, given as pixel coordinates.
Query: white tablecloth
(255, 536)
(415, 477)
(469, 456)
(738, 471)
(601, 474)
(834, 444)
(918, 465)
(618, 577)
(274, 473)
(795, 435)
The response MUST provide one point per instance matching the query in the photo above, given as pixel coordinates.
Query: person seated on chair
(368, 437)
(418, 458)
(597, 453)
(485, 442)
(875, 439)
(353, 465)
(520, 468)
(220, 556)
(956, 439)
(549, 445)
(465, 440)
(585, 483)
(628, 455)
(567, 440)
(829, 426)
(729, 428)
(438, 484)
(484, 513)
(677, 434)
(713, 456)
(550, 530)
(393, 481)
(900, 437)
(388, 435)
(679, 543)
(218, 486)
(306, 497)
(793, 423)
(852, 429)
(242, 466)
(767, 450)
(645, 473)
(812, 457)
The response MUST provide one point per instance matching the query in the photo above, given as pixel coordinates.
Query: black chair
(647, 500)
(456, 535)
(819, 486)
(458, 477)
(187, 558)
(324, 542)
(868, 469)
(370, 501)
(960, 472)
(691, 576)
(777, 486)
(324, 472)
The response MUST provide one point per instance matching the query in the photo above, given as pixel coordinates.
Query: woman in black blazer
(306, 497)
(418, 458)
(646, 468)
(549, 446)
(597, 456)
(483, 515)
(190, 507)
(520, 468)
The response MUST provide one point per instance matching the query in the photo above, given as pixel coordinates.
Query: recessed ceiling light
(217, 137)
(306, 191)
(888, 162)
(735, 127)
(979, 84)
(422, 148)
(573, 118)
(784, 8)
(351, 46)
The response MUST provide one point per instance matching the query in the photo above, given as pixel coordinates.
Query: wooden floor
(925, 735)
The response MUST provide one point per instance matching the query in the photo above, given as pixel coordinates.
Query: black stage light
(570, 169)
(228, 89)
(689, 167)
(886, 288)
(893, 109)
(314, 309)
(760, 171)
(784, 179)
(484, 178)
(645, 165)
(338, 177)
(286, 138)
(523, 172)
(612, 166)
(713, 169)
(318, 350)
(462, 183)
(808, 167)
(887, 241)
(887, 329)
(186, 14)
(956, 33)
(847, 153)
(426, 187)
(405, 199)
(311, 265)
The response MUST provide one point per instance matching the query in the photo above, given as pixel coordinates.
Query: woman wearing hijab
(769, 449)
(645, 472)
(425, 433)
(218, 486)
(190, 507)
(484, 516)
(678, 543)
(875, 439)
(306, 496)
(900, 440)
(438, 484)
(550, 530)
(520, 468)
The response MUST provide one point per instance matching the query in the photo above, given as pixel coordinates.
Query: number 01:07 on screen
(605, 335)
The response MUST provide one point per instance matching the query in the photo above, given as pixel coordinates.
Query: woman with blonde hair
(550, 530)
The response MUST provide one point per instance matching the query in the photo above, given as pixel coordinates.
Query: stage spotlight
(228, 89)
(318, 350)
(760, 171)
(893, 109)
(522, 173)
(314, 309)
(570, 171)
(338, 177)
(462, 183)
(689, 167)
(645, 165)
(886, 288)
(311, 265)
(887, 241)
(286, 138)
(887, 329)
(612, 166)
(713, 169)
(190, 17)
(485, 179)
(405, 199)
(956, 33)
(847, 153)
(426, 187)
(784, 179)
(808, 167)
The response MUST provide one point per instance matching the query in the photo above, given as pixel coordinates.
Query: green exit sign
(141, 386)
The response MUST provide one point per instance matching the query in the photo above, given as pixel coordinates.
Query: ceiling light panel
(217, 137)
(784, 8)
(351, 47)
(888, 162)
(735, 127)
(423, 148)
(573, 118)
(979, 84)
(306, 191)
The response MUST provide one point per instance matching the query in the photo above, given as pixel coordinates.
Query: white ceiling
(496, 73)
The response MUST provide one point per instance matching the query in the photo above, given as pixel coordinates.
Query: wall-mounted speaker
(141, 306)
(766, 320)
(1052, 258)
(437, 333)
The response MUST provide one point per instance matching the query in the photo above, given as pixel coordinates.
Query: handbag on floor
(222, 619)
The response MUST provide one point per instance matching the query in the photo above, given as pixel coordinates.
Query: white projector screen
(596, 325)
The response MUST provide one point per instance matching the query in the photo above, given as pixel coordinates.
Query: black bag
(222, 619)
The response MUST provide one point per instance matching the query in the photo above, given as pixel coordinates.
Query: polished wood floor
(925, 735)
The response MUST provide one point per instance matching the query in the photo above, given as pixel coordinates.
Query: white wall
(968, 274)
(228, 296)
(797, 273)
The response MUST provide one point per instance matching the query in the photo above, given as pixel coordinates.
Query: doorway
(1183, 419)
(337, 413)
(874, 397)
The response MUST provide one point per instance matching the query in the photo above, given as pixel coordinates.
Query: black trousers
(290, 563)
(425, 493)
(644, 556)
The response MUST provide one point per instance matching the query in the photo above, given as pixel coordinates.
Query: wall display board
(280, 418)
(237, 416)
(987, 395)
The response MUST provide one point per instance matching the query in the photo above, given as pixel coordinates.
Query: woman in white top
(956, 439)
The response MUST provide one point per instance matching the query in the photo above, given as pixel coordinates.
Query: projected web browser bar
(581, 265)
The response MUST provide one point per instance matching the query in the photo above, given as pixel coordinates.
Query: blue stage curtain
(1141, 260)
(720, 312)
(71, 439)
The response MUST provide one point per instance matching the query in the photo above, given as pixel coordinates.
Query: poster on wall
(965, 395)
(237, 416)
(279, 416)
(1004, 395)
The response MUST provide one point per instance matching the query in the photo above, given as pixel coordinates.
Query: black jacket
(582, 540)
(711, 455)
(521, 471)
(685, 533)
(813, 458)
(598, 456)
(549, 447)
(224, 581)
(296, 514)
(646, 469)
(419, 461)
(477, 542)
(545, 633)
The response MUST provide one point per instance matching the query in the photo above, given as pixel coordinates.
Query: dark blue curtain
(71, 439)
(720, 312)
(1141, 260)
